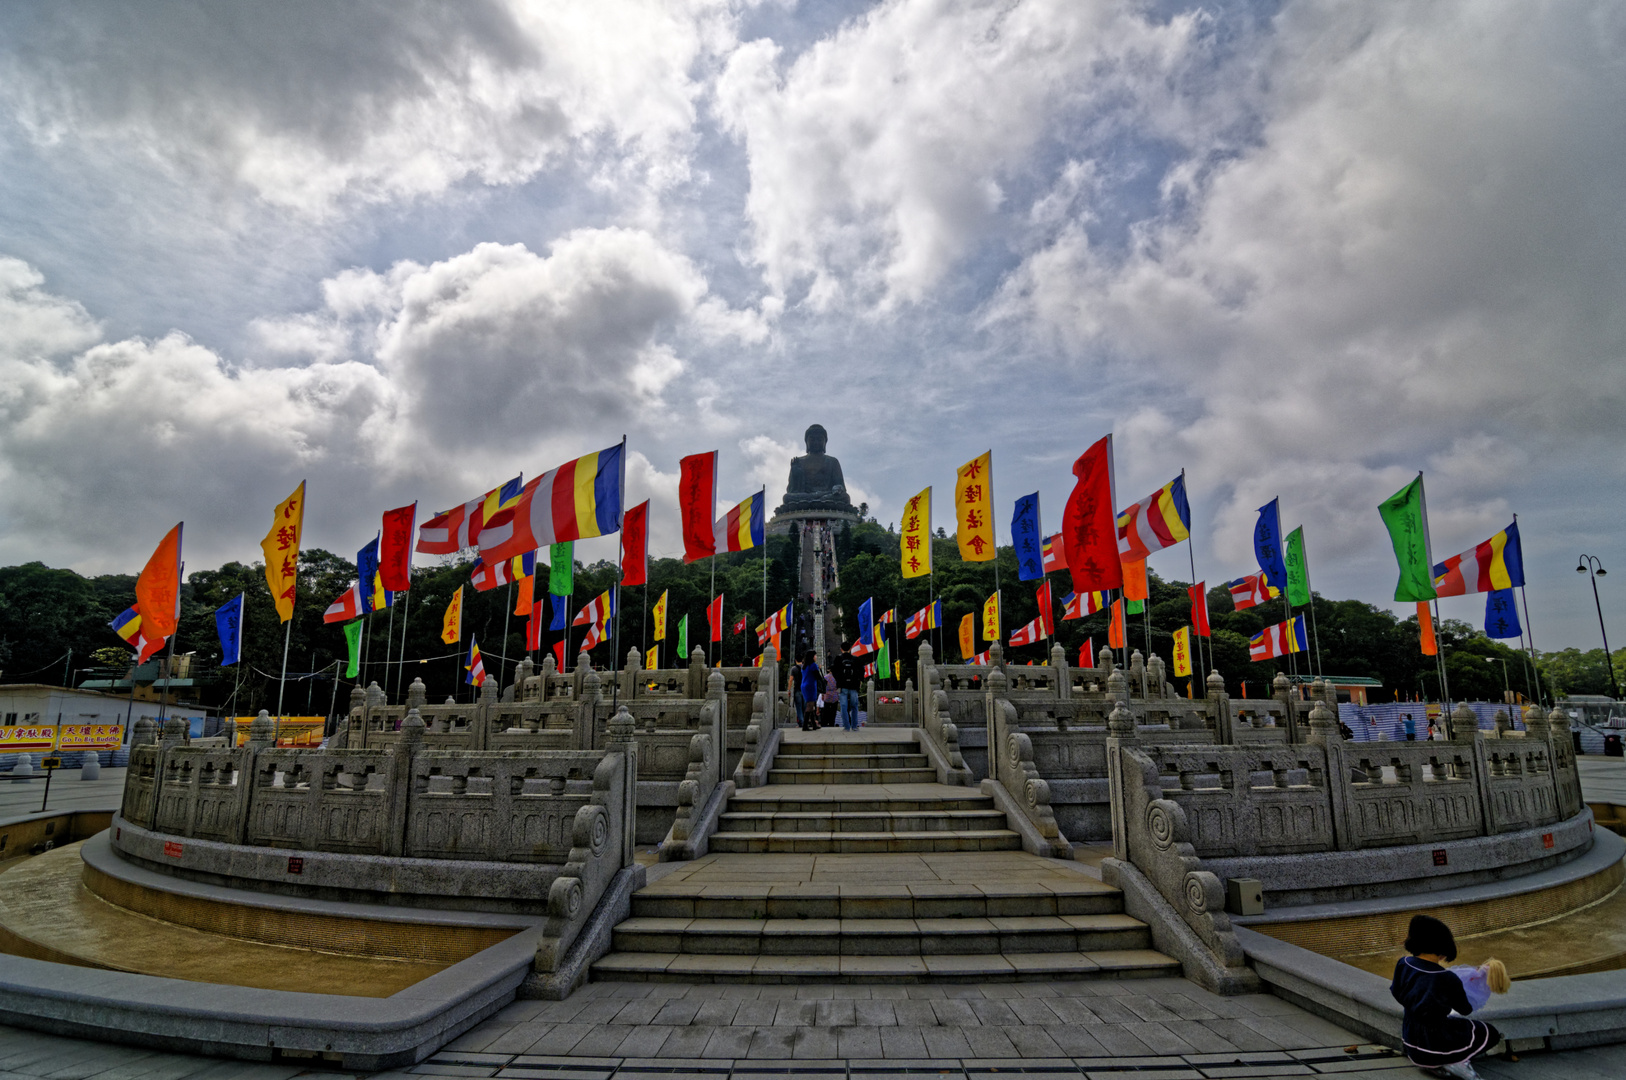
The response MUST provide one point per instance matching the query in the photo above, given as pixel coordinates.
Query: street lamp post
(1507, 688)
(1589, 564)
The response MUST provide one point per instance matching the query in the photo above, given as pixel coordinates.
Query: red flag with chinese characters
(697, 498)
(635, 545)
(1199, 608)
(1089, 528)
(395, 548)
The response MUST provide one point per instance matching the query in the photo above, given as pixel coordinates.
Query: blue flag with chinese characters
(229, 625)
(1267, 545)
(866, 622)
(1501, 616)
(1028, 538)
(366, 572)
(561, 612)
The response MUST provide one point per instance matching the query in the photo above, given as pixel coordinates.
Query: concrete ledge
(1563, 1013)
(326, 875)
(1017, 818)
(1406, 869)
(1171, 935)
(594, 940)
(946, 773)
(362, 1034)
(758, 776)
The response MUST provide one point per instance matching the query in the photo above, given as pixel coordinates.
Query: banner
(43, 737)
(916, 543)
(683, 641)
(697, 499)
(352, 639)
(1199, 608)
(451, 626)
(973, 514)
(562, 568)
(229, 625)
(1298, 569)
(290, 730)
(1403, 515)
(1027, 537)
(395, 547)
(968, 637)
(1425, 629)
(990, 618)
(1115, 628)
(1501, 617)
(281, 547)
(158, 589)
(1135, 587)
(1182, 651)
(1089, 528)
(660, 617)
(635, 545)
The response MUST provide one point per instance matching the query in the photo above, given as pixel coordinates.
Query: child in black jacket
(1436, 1040)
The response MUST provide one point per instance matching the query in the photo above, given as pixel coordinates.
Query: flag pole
(764, 552)
(1314, 634)
(1191, 556)
(507, 611)
(616, 660)
(713, 598)
(389, 643)
(282, 683)
(1439, 656)
(400, 661)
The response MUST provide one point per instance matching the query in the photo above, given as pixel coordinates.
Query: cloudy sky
(406, 250)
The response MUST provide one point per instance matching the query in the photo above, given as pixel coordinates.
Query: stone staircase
(854, 865)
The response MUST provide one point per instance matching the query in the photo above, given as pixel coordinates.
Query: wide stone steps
(804, 762)
(860, 843)
(882, 937)
(862, 821)
(902, 775)
(970, 967)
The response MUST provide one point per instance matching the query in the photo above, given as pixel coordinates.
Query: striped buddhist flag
(476, 667)
(772, 627)
(1251, 591)
(1054, 557)
(460, 527)
(596, 617)
(129, 627)
(1078, 605)
(1279, 640)
(1498, 563)
(1160, 520)
(1030, 634)
(579, 499)
(741, 527)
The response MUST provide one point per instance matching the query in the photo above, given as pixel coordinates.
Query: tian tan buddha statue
(815, 479)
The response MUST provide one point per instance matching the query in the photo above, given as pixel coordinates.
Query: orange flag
(526, 595)
(159, 586)
(1115, 629)
(1425, 625)
(1135, 580)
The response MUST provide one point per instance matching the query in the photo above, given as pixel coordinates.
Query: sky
(405, 250)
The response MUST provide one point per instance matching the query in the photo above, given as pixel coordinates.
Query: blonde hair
(1496, 976)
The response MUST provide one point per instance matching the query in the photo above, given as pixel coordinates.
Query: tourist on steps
(1435, 1030)
(796, 693)
(827, 716)
(812, 691)
(849, 676)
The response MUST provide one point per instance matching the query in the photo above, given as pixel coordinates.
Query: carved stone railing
(1010, 764)
(1152, 847)
(942, 734)
(762, 732)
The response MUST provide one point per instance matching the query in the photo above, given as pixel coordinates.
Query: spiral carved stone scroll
(565, 898)
(1204, 892)
(591, 830)
(1166, 822)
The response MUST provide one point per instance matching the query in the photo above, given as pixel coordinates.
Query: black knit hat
(1427, 934)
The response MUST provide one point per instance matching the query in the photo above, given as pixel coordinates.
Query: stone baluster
(630, 682)
(1121, 722)
(145, 733)
(1502, 725)
(1323, 725)
(1155, 677)
(1464, 724)
(1137, 674)
(1103, 664)
(996, 656)
(1064, 675)
(407, 745)
(927, 671)
(1219, 709)
(1535, 723)
(587, 707)
(522, 680)
(1282, 691)
(228, 732)
(696, 684)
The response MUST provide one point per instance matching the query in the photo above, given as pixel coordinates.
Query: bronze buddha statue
(815, 479)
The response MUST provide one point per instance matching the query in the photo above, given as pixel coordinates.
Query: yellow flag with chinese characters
(281, 547)
(451, 627)
(990, 618)
(968, 637)
(660, 617)
(973, 510)
(917, 535)
(1182, 651)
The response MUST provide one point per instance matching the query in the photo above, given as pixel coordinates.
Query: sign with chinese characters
(917, 535)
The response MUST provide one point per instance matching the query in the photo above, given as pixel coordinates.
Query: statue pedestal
(787, 522)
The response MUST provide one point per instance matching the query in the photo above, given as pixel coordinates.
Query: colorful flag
(1089, 527)
(1078, 605)
(1041, 596)
(382, 598)
(1425, 629)
(158, 589)
(869, 669)
(660, 617)
(562, 568)
(128, 626)
(525, 595)
(579, 499)
(533, 628)
(596, 617)
(486, 577)
(916, 542)
(866, 622)
(968, 636)
(1199, 608)
(1160, 520)
(739, 625)
(1085, 651)
(741, 527)
(1405, 515)
(1496, 564)
(883, 658)
(1298, 569)
(1134, 607)
(1033, 632)
(775, 624)
(990, 618)
(560, 603)
(973, 512)
(1279, 640)
(652, 662)
(1115, 628)
(1501, 616)
(349, 605)
(1182, 651)
(635, 545)
(1267, 544)
(683, 640)
(927, 618)
(888, 617)
(714, 617)
(1251, 591)
(367, 573)
(452, 530)
(229, 625)
(559, 655)
(1055, 554)
(697, 499)
(352, 641)
(451, 624)
(1028, 539)
(982, 659)
(476, 667)
(281, 547)
(395, 548)
(1135, 586)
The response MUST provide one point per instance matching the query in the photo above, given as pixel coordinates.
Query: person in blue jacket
(1438, 1036)
(812, 691)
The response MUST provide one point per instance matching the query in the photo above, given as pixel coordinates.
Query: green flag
(1134, 607)
(352, 637)
(883, 658)
(1408, 531)
(683, 640)
(1298, 570)
(562, 569)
